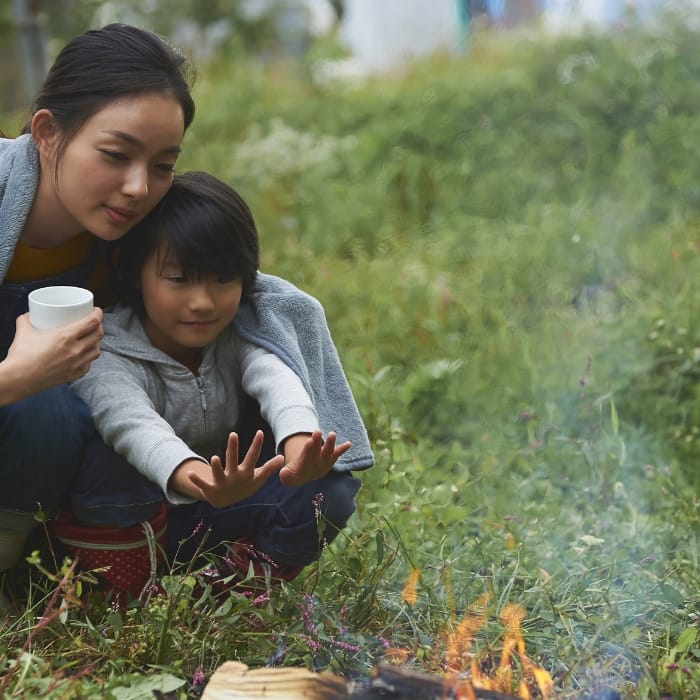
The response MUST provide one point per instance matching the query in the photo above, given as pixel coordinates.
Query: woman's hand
(40, 359)
(221, 485)
(309, 458)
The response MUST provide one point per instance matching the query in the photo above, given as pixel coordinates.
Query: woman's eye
(166, 168)
(176, 279)
(114, 155)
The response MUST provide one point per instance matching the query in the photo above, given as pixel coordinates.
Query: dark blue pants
(281, 521)
(42, 439)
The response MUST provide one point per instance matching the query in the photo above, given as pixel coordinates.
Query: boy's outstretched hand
(308, 457)
(221, 485)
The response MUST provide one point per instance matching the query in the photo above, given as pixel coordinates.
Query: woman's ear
(45, 133)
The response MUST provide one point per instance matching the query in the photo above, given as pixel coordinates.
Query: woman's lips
(120, 216)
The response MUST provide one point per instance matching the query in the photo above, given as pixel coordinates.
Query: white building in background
(575, 15)
(383, 34)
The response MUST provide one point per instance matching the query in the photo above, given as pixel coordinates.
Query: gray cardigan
(19, 177)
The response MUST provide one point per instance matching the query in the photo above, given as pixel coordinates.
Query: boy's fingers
(232, 450)
(200, 483)
(329, 445)
(265, 471)
(218, 470)
(253, 453)
(342, 448)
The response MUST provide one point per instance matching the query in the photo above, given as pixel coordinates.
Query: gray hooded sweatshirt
(156, 413)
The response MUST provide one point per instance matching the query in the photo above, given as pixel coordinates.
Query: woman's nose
(136, 182)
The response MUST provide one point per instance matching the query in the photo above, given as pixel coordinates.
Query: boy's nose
(201, 299)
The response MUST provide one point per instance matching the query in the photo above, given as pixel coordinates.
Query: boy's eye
(176, 279)
(226, 279)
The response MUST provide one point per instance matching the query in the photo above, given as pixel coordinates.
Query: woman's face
(117, 166)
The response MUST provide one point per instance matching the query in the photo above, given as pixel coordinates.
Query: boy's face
(183, 315)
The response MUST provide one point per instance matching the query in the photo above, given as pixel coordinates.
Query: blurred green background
(507, 245)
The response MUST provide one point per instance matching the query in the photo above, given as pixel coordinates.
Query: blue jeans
(42, 439)
(282, 521)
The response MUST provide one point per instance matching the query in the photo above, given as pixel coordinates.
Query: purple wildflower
(317, 500)
(306, 614)
(311, 643)
(198, 678)
(261, 599)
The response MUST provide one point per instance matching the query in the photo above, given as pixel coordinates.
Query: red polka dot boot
(131, 555)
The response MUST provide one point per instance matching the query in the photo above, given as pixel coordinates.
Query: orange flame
(459, 641)
(459, 658)
(408, 594)
(511, 616)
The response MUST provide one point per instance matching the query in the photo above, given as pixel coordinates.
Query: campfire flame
(409, 593)
(461, 661)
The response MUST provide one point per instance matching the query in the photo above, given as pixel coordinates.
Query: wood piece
(235, 681)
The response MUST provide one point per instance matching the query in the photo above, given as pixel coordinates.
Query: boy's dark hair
(202, 224)
(105, 64)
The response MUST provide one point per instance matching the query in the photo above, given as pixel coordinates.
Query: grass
(507, 249)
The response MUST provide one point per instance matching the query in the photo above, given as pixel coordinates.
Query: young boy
(199, 334)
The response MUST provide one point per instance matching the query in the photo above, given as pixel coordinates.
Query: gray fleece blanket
(292, 325)
(19, 176)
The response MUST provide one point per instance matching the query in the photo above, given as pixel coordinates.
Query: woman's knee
(54, 424)
(42, 439)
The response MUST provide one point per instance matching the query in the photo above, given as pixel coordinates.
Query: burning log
(235, 681)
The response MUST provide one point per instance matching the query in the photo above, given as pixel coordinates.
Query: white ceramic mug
(51, 307)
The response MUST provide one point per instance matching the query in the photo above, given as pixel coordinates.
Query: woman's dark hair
(105, 64)
(201, 224)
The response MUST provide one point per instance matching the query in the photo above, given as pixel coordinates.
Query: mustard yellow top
(30, 264)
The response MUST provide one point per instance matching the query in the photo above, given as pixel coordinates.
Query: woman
(96, 156)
